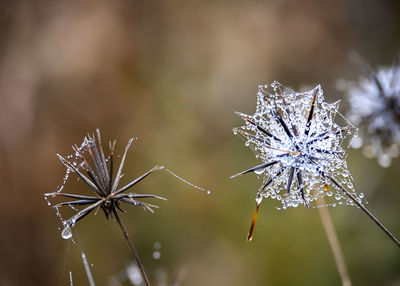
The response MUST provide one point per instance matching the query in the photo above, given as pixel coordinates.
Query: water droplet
(338, 196)
(208, 192)
(157, 245)
(259, 171)
(156, 255)
(67, 232)
(361, 195)
(134, 275)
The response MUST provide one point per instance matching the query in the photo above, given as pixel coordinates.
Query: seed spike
(258, 126)
(103, 158)
(259, 167)
(364, 209)
(82, 176)
(311, 114)
(253, 223)
(121, 166)
(289, 184)
(265, 145)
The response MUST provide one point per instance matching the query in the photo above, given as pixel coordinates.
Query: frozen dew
(300, 140)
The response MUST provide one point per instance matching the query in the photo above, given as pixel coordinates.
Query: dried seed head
(298, 140)
(375, 108)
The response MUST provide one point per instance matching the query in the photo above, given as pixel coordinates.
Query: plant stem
(135, 254)
(367, 212)
(334, 243)
(87, 269)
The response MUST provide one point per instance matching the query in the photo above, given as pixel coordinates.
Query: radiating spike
(273, 178)
(289, 184)
(77, 202)
(253, 223)
(267, 146)
(258, 127)
(259, 167)
(311, 114)
(121, 166)
(137, 180)
(103, 158)
(82, 176)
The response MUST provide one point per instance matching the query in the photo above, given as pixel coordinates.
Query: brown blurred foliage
(172, 73)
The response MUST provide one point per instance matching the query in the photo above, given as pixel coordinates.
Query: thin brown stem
(135, 254)
(334, 243)
(367, 212)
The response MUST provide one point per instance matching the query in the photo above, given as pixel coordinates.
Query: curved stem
(135, 254)
(367, 212)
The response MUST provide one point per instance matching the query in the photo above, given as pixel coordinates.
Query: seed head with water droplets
(375, 108)
(91, 165)
(296, 137)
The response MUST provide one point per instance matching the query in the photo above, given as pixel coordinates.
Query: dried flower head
(97, 171)
(301, 147)
(93, 168)
(375, 108)
(298, 142)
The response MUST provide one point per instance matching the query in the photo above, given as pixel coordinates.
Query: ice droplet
(67, 232)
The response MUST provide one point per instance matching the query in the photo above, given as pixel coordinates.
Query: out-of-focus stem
(334, 243)
(87, 269)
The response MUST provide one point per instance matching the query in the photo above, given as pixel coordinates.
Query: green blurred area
(172, 73)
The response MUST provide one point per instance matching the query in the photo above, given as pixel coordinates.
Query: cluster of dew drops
(294, 108)
(74, 158)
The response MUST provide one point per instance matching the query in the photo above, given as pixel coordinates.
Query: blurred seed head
(375, 108)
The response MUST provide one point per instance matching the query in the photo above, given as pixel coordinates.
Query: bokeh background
(171, 73)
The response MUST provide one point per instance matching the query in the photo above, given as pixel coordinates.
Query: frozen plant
(375, 109)
(302, 150)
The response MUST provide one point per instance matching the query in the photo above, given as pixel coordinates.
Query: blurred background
(172, 73)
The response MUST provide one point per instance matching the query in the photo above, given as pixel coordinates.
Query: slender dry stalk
(334, 243)
(99, 176)
(365, 210)
(130, 243)
(87, 269)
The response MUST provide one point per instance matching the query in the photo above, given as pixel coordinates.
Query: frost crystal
(301, 147)
(375, 108)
